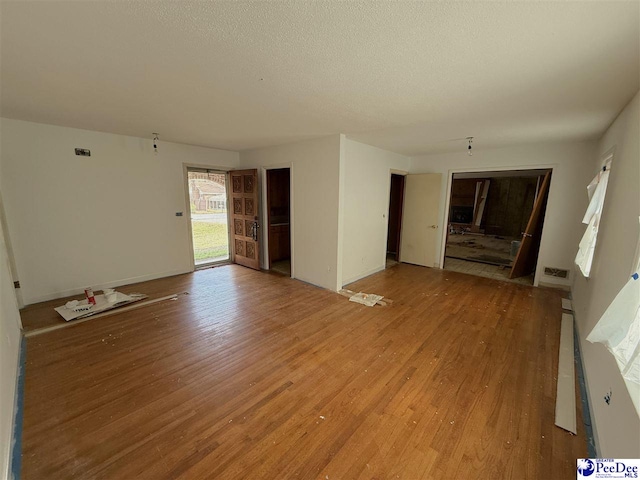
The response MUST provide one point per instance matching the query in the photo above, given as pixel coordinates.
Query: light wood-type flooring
(254, 375)
(485, 270)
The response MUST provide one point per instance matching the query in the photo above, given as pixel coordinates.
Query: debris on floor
(110, 299)
(99, 310)
(368, 299)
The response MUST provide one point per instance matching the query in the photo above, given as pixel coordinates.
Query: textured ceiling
(405, 76)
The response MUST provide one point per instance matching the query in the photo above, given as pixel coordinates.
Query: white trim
(363, 275)
(265, 216)
(402, 173)
(342, 178)
(100, 286)
(10, 256)
(590, 398)
(607, 156)
(185, 185)
(566, 379)
(185, 172)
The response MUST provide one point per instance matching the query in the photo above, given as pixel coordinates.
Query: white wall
(617, 425)
(104, 220)
(9, 349)
(367, 182)
(572, 167)
(315, 180)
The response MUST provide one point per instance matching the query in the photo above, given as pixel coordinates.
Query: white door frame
(185, 173)
(445, 220)
(402, 173)
(265, 217)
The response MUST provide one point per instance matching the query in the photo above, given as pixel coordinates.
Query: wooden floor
(485, 270)
(254, 375)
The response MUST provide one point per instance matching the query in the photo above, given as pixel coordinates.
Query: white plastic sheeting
(619, 330)
(596, 191)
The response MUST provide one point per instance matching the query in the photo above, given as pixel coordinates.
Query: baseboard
(593, 445)
(363, 275)
(15, 456)
(559, 286)
(592, 448)
(111, 284)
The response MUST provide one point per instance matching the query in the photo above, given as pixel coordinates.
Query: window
(596, 190)
(619, 330)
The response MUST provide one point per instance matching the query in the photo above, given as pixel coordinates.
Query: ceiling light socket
(155, 142)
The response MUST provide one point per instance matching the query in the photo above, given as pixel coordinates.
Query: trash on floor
(368, 299)
(110, 299)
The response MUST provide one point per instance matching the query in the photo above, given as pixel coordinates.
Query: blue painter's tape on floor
(586, 412)
(16, 451)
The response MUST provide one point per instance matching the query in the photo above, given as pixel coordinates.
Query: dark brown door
(244, 218)
(527, 255)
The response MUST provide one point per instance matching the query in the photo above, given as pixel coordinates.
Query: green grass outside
(210, 240)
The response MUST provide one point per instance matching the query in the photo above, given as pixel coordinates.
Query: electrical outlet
(178, 214)
(607, 397)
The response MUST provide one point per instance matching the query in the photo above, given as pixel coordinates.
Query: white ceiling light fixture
(469, 148)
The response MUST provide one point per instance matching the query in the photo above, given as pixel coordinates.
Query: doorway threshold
(214, 263)
(486, 270)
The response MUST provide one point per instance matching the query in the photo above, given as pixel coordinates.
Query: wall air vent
(556, 272)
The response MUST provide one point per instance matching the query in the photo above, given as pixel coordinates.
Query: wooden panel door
(244, 218)
(527, 255)
(421, 210)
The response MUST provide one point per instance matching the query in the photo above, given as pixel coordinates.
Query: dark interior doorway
(279, 219)
(396, 198)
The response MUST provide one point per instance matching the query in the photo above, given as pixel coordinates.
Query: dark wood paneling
(279, 242)
(463, 192)
(509, 205)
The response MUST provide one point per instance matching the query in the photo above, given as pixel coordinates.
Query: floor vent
(556, 272)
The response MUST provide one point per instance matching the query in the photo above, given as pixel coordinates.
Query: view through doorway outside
(209, 221)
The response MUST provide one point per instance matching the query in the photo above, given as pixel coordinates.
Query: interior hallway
(256, 375)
